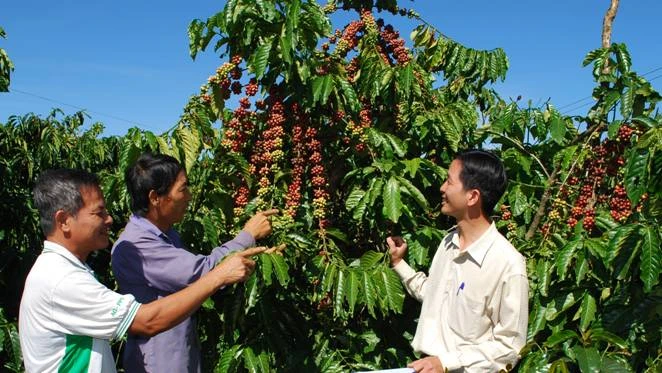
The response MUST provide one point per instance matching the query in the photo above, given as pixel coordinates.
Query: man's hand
(237, 267)
(397, 247)
(430, 364)
(276, 249)
(259, 225)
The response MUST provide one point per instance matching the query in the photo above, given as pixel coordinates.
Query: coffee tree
(345, 132)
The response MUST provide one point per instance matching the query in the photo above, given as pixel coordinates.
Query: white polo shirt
(67, 317)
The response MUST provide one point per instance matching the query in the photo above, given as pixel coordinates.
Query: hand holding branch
(259, 225)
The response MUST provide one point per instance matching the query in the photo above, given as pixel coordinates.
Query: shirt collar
(52, 247)
(146, 225)
(478, 249)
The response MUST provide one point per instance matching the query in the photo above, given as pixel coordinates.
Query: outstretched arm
(163, 314)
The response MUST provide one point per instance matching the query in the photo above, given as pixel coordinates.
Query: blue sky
(127, 62)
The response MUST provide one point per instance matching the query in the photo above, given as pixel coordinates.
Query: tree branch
(606, 31)
(521, 148)
(607, 24)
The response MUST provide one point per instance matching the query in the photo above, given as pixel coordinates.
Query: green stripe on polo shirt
(128, 319)
(77, 354)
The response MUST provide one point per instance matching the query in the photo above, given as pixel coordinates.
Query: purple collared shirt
(151, 264)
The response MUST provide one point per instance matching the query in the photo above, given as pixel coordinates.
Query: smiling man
(475, 299)
(67, 317)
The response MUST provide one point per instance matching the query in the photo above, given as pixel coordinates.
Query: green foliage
(593, 311)
(10, 346)
(6, 66)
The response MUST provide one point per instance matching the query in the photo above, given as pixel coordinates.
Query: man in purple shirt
(150, 261)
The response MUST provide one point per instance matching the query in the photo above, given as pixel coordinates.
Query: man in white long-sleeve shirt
(475, 299)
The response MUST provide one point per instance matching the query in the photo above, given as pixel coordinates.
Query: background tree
(6, 66)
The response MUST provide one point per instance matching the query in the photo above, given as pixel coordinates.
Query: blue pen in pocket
(460, 288)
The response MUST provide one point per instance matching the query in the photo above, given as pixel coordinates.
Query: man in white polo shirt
(475, 299)
(67, 317)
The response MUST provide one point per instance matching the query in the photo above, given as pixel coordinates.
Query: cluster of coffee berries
(240, 200)
(505, 213)
(293, 197)
(620, 205)
(267, 151)
(554, 215)
(395, 45)
(239, 129)
(512, 227)
(222, 80)
(625, 133)
(251, 88)
(349, 40)
(358, 132)
(586, 198)
(571, 222)
(592, 184)
(370, 29)
(317, 173)
(351, 68)
(337, 116)
(589, 220)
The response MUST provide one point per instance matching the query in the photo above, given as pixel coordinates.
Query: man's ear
(473, 197)
(62, 221)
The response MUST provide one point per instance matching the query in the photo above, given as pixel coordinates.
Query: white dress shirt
(475, 303)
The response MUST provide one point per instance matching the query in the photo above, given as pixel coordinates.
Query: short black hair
(60, 189)
(483, 171)
(156, 172)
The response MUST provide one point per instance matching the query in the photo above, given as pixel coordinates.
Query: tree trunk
(607, 23)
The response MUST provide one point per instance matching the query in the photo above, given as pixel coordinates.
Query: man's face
(175, 203)
(453, 195)
(91, 225)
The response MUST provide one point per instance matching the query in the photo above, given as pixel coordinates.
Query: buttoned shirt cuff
(450, 360)
(404, 270)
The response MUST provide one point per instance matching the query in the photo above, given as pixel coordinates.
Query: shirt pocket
(466, 316)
